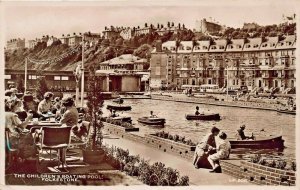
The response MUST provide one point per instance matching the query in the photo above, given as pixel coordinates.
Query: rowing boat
(268, 143)
(207, 117)
(152, 121)
(286, 111)
(118, 107)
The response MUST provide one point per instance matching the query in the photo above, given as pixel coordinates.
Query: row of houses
(70, 40)
(129, 32)
(256, 63)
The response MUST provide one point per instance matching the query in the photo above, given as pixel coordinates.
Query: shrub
(293, 165)
(155, 174)
(256, 158)
(281, 164)
(184, 181)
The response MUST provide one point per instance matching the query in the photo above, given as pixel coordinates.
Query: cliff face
(54, 57)
(64, 58)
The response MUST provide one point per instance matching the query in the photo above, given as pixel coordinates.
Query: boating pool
(260, 122)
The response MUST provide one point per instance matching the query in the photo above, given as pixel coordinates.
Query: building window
(56, 77)
(64, 78)
(32, 77)
(7, 77)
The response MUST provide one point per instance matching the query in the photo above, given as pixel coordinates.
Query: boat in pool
(152, 121)
(121, 118)
(286, 111)
(118, 100)
(266, 143)
(206, 117)
(118, 107)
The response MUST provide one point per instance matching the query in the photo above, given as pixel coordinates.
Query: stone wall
(258, 174)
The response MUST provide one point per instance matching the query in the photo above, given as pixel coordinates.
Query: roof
(235, 45)
(288, 42)
(253, 44)
(124, 59)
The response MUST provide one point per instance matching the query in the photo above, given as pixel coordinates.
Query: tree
(20, 84)
(143, 51)
(41, 87)
(94, 104)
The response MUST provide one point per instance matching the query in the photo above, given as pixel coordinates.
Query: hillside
(61, 57)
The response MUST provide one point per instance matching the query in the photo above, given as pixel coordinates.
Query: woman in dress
(19, 138)
(206, 147)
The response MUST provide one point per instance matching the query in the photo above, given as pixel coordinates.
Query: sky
(27, 21)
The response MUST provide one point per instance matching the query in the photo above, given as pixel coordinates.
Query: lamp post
(82, 71)
(25, 79)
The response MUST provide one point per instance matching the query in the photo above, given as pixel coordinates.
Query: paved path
(197, 176)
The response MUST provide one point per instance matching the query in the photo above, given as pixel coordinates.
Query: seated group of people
(63, 110)
(212, 149)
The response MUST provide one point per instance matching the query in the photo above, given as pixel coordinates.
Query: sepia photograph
(140, 93)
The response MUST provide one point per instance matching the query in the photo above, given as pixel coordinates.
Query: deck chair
(11, 153)
(55, 139)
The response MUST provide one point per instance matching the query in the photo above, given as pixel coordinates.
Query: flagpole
(25, 81)
(82, 71)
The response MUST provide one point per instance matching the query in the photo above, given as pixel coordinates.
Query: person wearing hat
(197, 111)
(206, 147)
(241, 134)
(223, 151)
(70, 117)
(46, 104)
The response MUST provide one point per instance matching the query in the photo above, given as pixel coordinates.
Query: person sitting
(241, 135)
(152, 115)
(223, 151)
(45, 105)
(56, 105)
(206, 147)
(114, 114)
(19, 138)
(70, 117)
(30, 105)
(197, 111)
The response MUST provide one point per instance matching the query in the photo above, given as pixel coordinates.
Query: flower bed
(274, 162)
(150, 174)
(123, 126)
(167, 143)
(175, 138)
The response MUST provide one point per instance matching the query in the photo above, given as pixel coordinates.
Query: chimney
(158, 46)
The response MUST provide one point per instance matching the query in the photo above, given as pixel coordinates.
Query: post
(25, 81)
(227, 83)
(82, 72)
(77, 92)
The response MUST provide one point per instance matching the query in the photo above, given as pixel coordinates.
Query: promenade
(221, 100)
(185, 167)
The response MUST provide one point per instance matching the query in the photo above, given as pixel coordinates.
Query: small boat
(122, 119)
(207, 117)
(118, 100)
(118, 107)
(271, 143)
(152, 121)
(286, 111)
